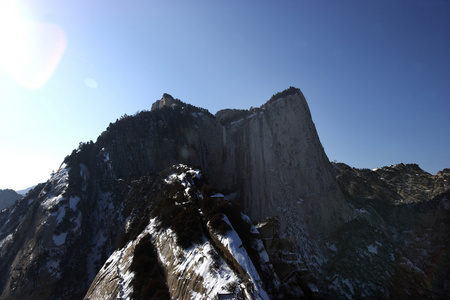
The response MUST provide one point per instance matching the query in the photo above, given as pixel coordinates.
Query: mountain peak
(166, 101)
(287, 92)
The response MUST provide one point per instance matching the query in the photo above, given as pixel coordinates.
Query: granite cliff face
(274, 159)
(321, 230)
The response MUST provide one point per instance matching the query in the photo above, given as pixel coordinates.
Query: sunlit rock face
(274, 160)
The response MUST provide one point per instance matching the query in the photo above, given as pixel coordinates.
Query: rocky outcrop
(113, 280)
(166, 101)
(397, 184)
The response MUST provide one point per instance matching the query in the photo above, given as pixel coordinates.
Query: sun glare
(30, 50)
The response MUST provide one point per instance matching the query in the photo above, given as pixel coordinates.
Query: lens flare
(90, 83)
(442, 259)
(30, 50)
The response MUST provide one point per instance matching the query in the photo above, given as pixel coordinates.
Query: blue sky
(376, 74)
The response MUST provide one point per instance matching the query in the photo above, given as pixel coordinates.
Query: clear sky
(376, 74)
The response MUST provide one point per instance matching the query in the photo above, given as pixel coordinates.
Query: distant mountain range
(25, 191)
(244, 204)
(8, 198)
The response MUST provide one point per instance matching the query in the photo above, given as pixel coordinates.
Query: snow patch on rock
(59, 239)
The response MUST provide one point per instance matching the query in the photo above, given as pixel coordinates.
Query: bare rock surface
(275, 161)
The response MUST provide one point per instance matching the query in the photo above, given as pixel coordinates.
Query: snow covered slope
(197, 270)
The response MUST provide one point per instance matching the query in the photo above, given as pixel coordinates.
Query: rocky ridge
(397, 184)
(401, 232)
(198, 271)
(327, 230)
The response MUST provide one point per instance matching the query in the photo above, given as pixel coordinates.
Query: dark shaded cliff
(403, 221)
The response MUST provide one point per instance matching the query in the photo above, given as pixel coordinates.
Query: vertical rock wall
(274, 159)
